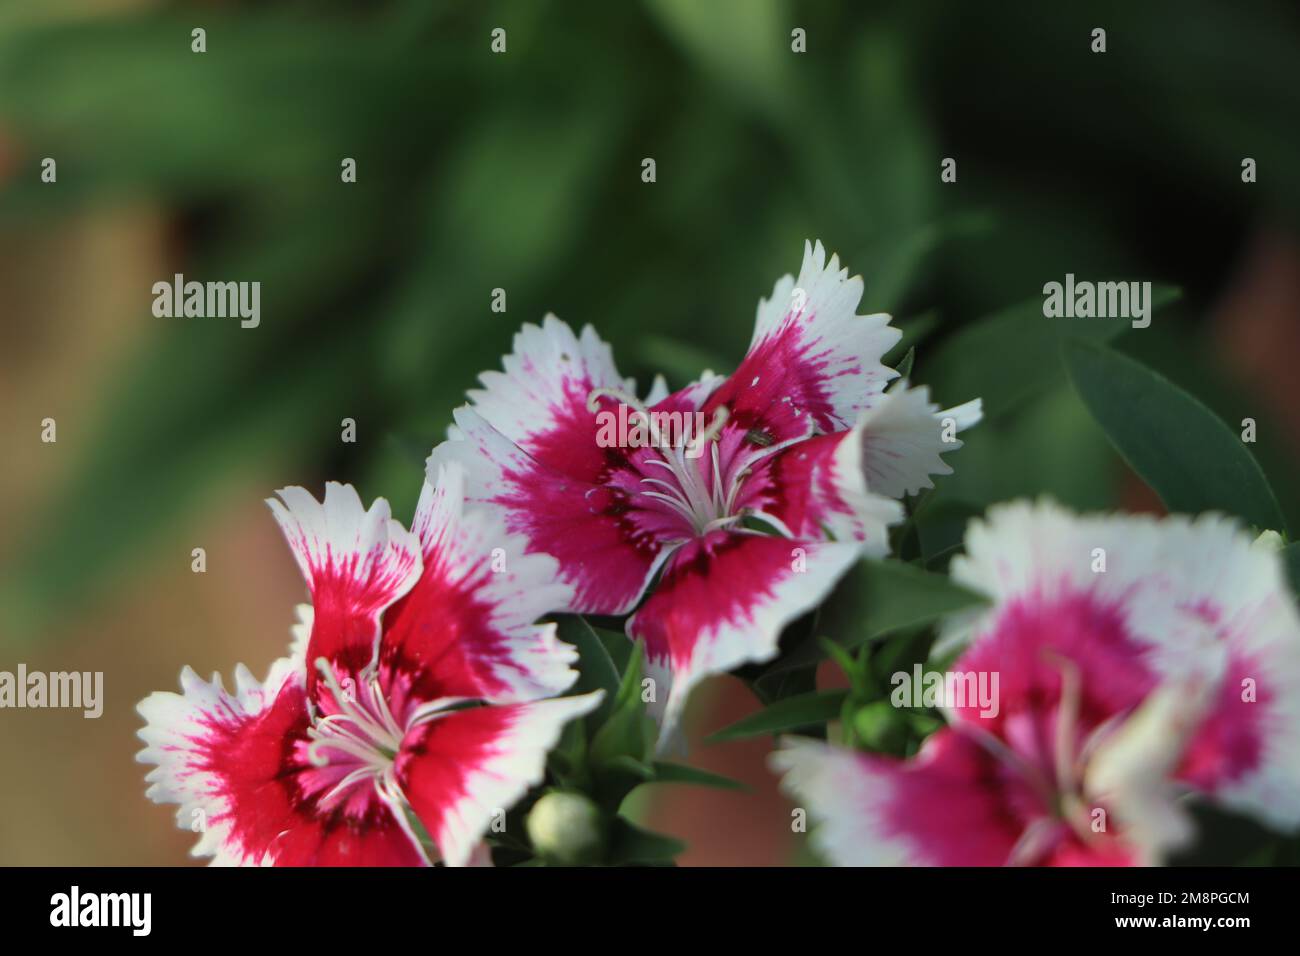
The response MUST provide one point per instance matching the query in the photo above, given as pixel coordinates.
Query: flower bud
(1270, 541)
(567, 828)
(880, 726)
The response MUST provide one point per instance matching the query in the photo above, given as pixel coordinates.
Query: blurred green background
(522, 171)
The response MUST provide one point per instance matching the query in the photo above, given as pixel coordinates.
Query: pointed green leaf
(567, 761)
(629, 731)
(1188, 456)
(792, 713)
(905, 366)
(631, 766)
(629, 688)
(854, 670)
(596, 669)
(630, 844)
(680, 773)
(1015, 354)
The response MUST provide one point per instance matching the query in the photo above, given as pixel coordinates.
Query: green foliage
(1188, 456)
(1014, 355)
(680, 773)
(596, 667)
(612, 751)
(632, 845)
(880, 598)
(791, 713)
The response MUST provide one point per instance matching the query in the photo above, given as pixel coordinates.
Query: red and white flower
(803, 439)
(1172, 673)
(414, 686)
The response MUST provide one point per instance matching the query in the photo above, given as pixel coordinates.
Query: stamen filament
(706, 505)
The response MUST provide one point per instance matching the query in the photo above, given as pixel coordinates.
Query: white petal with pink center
(830, 353)
(291, 773)
(1141, 660)
(357, 562)
(723, 602)
(474, 552)
(841, 793)
(1209, 608)
(791, 440)
(172, 723)
(460, 802)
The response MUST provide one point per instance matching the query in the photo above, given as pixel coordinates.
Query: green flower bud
(881, 727)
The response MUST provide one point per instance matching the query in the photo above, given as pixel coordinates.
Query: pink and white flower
(803, 440)
(1172, 673)
(413, 688)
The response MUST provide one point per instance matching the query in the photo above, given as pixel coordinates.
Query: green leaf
(905, 366)
(1013, 355)
(629, 731)
(914, 330)
(792, 713)
(750, 62)
(630, 844)
(629, 686)
(1188, 456)
(1193, 364)
(885, 596)
(854, 670)
(596, 669)
(680, 773)
(899, 652)
(941, 526)
(624, 763)
(772, 684)
(567, 761)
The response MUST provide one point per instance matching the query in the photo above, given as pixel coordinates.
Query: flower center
(361, 731)
(1059, 786)
(680, 479)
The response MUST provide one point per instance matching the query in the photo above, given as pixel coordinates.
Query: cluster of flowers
(420, 697)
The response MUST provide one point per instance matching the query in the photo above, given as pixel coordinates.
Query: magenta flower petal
(238, 766)
(465, 629)
(818, 487)
(356, 562)
(605, 555)
(813, 363)
(722, 602)
(954, 804)
(539, 399)
(463, 770)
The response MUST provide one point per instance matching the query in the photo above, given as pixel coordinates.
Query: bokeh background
(522, 171)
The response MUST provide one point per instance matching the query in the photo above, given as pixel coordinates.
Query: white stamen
(687, 492)
(372, 737)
